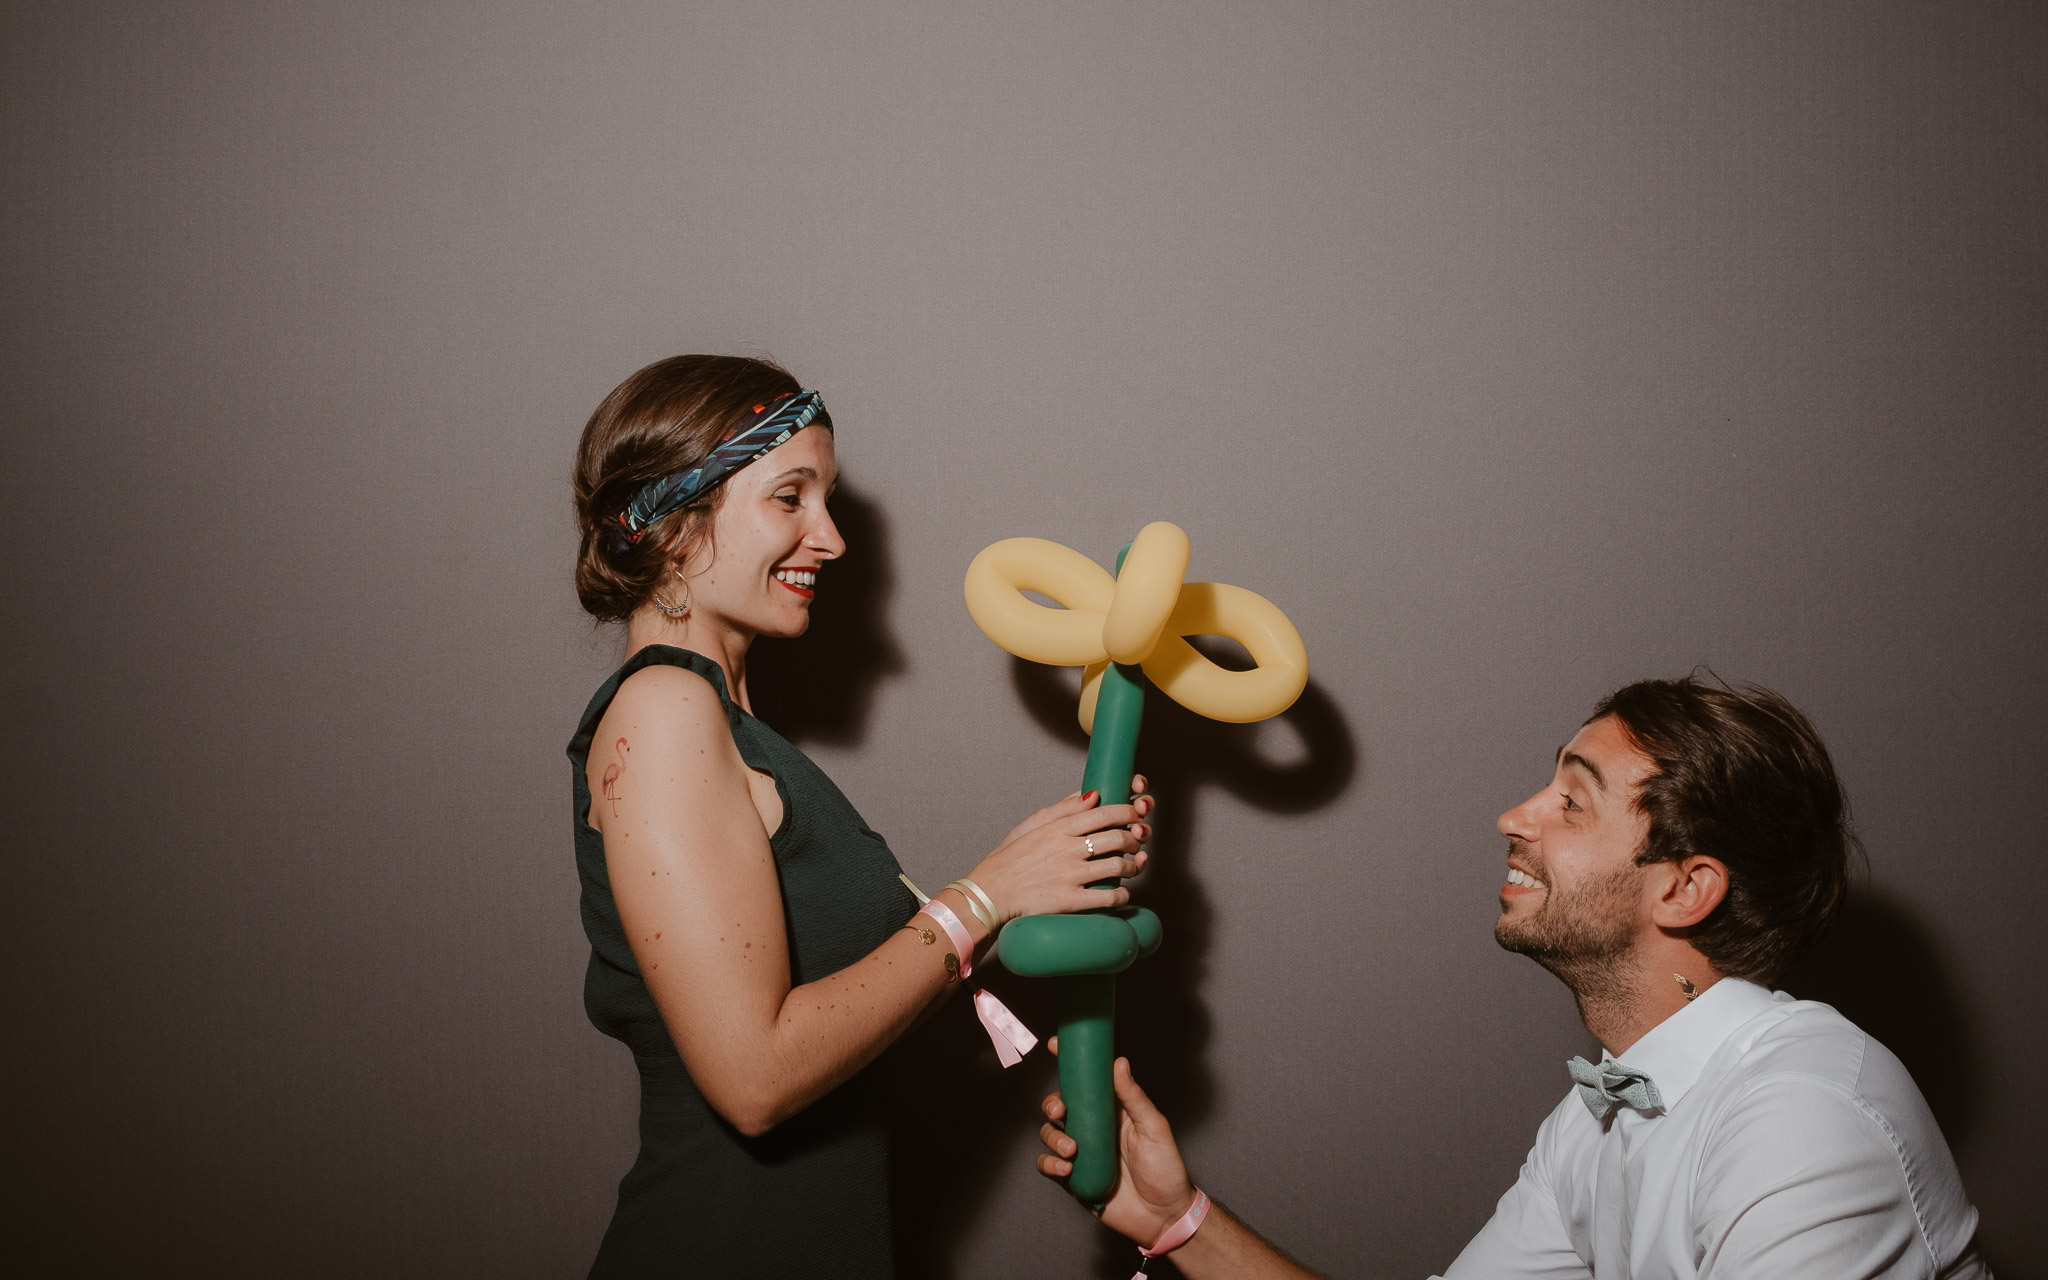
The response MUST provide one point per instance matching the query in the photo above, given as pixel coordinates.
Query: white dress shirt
(1790, 1144)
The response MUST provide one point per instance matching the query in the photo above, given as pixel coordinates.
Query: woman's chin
(788, 627)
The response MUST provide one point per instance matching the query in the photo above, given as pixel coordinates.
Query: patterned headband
(773, 423)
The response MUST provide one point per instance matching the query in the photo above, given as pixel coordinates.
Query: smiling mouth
(801, 581)
(1520, 879)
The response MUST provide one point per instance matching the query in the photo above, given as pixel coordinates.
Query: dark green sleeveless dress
(809, 1198)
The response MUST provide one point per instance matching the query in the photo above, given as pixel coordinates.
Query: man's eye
(1570, 805)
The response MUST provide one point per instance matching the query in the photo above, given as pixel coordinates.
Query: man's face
(1575, 900)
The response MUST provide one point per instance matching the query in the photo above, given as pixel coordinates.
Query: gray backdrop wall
(1517, 351)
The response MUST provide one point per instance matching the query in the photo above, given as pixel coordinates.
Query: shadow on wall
(1880, 967)
(971, 1118)
(819, 687)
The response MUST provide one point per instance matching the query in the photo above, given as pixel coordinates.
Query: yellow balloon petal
(1070, 637)
(1091, 689)
(1239, 697)
(1146, 588)
(1141, 618)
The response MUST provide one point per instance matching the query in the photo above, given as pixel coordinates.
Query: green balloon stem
(1087, 1048)
(1086, 950)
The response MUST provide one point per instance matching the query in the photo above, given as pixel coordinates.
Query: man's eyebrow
(1572, 757)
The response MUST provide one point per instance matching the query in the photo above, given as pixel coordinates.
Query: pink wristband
(1177, 1235)
(963, 945)
(1012, 1038)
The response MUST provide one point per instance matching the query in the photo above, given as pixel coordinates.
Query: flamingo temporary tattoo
(611, 775)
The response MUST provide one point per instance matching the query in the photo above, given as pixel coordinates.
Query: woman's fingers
(1054, 1106)
(1099, 818)
(1054, 1167)
(1098, 868)
(1064, 807)
(1098, 844)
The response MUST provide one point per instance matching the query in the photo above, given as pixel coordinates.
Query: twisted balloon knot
(1140, 617)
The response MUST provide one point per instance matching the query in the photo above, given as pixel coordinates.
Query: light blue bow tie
(1610, 1084)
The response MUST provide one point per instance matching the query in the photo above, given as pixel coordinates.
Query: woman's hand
(1152, 1185)
(1045, 864)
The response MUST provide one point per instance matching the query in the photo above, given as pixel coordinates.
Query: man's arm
(1153, 1192)
(1801, 1178)
(1525, 1240)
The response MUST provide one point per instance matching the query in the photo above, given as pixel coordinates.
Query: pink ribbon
(956, 933)
(1176, 1235)
(1012, 1038)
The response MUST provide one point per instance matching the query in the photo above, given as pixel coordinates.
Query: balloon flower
(1124, 631)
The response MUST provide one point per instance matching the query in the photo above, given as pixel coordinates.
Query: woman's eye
(790, 500)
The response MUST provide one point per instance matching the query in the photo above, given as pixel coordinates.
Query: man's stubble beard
(1581, 936)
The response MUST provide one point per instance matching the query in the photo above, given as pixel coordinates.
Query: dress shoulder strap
(666, 655)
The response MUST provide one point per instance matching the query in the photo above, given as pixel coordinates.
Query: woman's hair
(1742, 776)
(664, 419)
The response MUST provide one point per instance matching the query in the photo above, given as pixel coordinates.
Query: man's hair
(1742, 777)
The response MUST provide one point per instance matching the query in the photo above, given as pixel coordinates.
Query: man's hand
(1152, 1187)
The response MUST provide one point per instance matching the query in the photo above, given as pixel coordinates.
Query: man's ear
(1697, 886)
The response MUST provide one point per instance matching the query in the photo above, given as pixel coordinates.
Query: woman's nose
(825, 539)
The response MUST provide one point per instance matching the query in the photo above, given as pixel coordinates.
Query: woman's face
(770, 539)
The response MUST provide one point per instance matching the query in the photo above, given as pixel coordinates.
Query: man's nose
(1519, 823)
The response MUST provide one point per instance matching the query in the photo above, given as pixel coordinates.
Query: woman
(748, 931)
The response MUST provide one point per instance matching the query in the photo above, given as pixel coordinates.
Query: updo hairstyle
(664, 419)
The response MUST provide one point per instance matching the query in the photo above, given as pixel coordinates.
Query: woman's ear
(690, 550)
(1697, 886)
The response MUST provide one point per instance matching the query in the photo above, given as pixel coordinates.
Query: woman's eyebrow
(807, 472)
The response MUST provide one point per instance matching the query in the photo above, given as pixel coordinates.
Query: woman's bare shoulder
(673, 704)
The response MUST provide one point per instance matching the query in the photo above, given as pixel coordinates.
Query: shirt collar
(1675, 1050)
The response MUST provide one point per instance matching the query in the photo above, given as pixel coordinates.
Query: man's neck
(1627, 1000)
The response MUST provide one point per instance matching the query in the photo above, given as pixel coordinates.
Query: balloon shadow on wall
(819, 687)
(970, 1118)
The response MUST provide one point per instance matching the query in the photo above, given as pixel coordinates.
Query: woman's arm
(699, 899)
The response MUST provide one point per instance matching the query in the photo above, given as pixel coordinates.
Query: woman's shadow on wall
(819, 688)
(963, 1119)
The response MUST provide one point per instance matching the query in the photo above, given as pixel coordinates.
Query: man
(1692, 842)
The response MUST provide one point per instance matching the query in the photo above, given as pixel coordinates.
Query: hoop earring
(675, 610)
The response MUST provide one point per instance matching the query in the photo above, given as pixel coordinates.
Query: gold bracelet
(974, 894)
(930, 937)
(972, 905)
